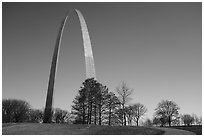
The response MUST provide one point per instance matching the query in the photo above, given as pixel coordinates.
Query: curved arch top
(89, 61)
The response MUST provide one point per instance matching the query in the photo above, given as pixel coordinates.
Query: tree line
(180, 119)
(14, 111)
(95, 104)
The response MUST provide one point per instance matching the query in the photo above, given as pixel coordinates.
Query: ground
(173, 131)
(197, 129)
(65, 129)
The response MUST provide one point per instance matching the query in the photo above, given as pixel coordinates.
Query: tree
(112, 104)
(35, 116)
(197, 120)
(124, 95)
(100, 98)
(167, 111)
(93, 89)
(61, 116)
(79, 110)
(129, 114)
(138, 111)
(14, 110)
(200, 120)
(156, 121)
(101, 102)
(187, 119)
(89, 103)
(176, 121)
(119, 116)
(148, 123)
(83, 103)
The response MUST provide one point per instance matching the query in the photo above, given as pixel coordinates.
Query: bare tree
(167, 110)
(197, 120)
(138, 111)
(14, 110)
(124, 95)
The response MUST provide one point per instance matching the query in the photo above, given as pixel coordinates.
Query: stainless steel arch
(90, 68)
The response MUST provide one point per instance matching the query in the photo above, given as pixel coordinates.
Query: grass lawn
(65, 129)
(196, 129)
(119, 130)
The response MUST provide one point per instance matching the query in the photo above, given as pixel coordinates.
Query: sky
(156, 48)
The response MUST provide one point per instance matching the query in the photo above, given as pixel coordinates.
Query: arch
(89, 61)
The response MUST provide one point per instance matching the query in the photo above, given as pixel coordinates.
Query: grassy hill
(65, 129)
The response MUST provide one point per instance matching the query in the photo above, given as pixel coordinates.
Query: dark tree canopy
(35, 116)
(187, 119)
(61, 116)
(89, 103)
(14, 110)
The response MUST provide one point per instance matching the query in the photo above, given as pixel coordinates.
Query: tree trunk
(109, 117)
(95, 115)
(137, 122)
(121, 119)
(99, 122)
(169, 120)
(129, 119)
(99, 113)
(83, 120)
(90, 113)
(124, 118)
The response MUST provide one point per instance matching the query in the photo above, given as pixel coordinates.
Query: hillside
(65, 129)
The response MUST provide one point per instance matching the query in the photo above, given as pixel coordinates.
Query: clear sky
(156, 48)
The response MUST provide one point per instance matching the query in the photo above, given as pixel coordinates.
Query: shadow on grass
(197, 129)
(122, 130)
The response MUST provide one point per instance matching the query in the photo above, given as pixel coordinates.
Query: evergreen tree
(89, 103)
(112, 104)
